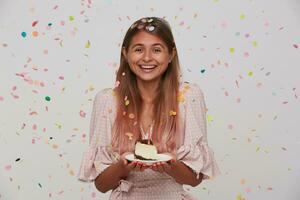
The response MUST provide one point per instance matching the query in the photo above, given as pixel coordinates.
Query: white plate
(161, 158)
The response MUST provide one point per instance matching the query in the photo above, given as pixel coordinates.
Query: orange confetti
(35, 33)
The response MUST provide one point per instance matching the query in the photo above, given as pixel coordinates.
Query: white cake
(144, 151)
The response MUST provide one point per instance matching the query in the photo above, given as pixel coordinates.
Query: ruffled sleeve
(98, 155)
(195, 152)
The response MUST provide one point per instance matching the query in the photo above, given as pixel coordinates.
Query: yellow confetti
(59, 126)
(126, 102)
(88, 44)
(257, 149)
(250, 74)
(231, 50)
(180, 97)
(242, 16)
(71, 18)
(239, 197)
(210, 118)
(254, 43)
(172, 113)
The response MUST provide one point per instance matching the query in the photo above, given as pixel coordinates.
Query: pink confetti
(33, 113)
(238, 100)
(230, 126)
(246, 54)
(61, 77)
(93, 194)
(247, 35)
(14, 88)
(1, 98)
(34, 127)
(44, 129)
(295, 46)
(62, 23)
(33, 141)
(34, 23)
(55, 7)
(226, 93)
(7, 167)
(248, 190)
(181, 23)
(82, 114)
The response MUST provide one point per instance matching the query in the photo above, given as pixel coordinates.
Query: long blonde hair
(165, 135)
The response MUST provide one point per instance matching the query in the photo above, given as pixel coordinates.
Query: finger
(154, 167)
(166, 167)
(138, 166)
(131, 165)
(144, 166)
(160, 167)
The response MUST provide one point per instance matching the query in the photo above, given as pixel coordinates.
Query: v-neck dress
(194, 151)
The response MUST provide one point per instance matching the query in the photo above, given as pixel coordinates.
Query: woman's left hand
(164, 166)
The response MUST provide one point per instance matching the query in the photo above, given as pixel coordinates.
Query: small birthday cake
(145, 151)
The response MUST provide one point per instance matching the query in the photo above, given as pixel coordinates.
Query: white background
(253, 120)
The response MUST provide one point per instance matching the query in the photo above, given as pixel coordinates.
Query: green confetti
(47, 98)
(71, 18)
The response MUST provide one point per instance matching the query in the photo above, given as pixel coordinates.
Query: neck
(148, 90)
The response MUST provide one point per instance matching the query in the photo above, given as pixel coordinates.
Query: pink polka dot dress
(150, 185)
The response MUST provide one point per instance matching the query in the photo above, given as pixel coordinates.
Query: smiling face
(148, 56)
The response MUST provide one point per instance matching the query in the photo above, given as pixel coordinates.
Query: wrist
(121, 168)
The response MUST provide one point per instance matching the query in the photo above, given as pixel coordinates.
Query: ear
(173, 54)
(124, 52)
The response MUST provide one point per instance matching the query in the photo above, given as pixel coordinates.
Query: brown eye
(157, 50)
(138, 50)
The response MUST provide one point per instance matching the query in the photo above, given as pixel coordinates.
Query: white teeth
(147, 66)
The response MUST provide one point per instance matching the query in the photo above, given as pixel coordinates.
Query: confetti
(202, 71)
(7, 167)
(129, 135)
(71, 18)
(24, 34)
(295, 46)
(34, 23)
(172, 113)
(250, 73)
(47, 98)
(231, 50)
(242, 16)
(1, 98)
(88, 44)
(35, 33)
(131, 116)
(82, 114)
(126, 102)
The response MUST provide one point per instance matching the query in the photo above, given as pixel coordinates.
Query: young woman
(151, 102)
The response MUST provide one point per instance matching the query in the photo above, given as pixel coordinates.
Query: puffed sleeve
(98, 155)
(195, 152)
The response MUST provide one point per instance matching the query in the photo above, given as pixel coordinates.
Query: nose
(147, 56)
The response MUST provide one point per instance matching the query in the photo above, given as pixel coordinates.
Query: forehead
(146, 39)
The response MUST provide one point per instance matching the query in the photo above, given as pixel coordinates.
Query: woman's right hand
(131, 166)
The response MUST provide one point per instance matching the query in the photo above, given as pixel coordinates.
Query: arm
(183, 174)
(180, 172)
(110, 177)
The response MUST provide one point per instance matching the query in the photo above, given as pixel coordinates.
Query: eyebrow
(155, 44)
